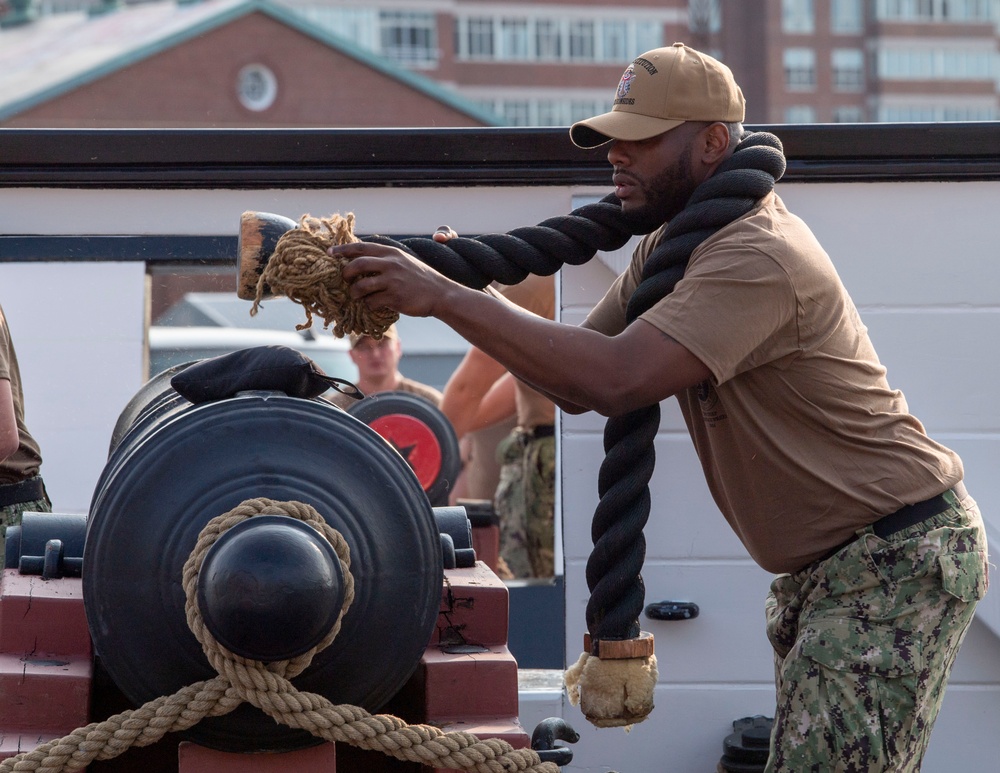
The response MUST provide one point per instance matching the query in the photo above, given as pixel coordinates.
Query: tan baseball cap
(660, 90)
(390, 332)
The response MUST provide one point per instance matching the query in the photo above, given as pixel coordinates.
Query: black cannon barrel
(174, 466)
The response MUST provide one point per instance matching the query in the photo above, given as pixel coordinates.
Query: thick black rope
(613, 569)
(539, 249)
(614, 566)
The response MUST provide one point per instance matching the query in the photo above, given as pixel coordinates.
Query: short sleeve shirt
(25, 462)
(801, 438)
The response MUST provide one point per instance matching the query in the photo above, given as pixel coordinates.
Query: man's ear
(716, 142)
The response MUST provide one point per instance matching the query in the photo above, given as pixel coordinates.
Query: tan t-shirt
(537, 294)
(25, 462)
(801, 438)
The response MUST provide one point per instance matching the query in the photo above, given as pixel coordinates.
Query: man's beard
(665, 196)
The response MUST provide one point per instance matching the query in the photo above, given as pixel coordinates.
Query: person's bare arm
(9, 441)
(578, 368)
(499, 404)
(467, 389)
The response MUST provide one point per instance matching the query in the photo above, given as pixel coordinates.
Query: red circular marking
(415, 442)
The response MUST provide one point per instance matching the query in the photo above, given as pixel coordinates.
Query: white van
(169, 346)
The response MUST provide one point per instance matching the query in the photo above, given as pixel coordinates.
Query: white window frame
(848, 69)
(848, 114)
(800, 69)
(409, 37)
(798, 17)
(847, 17)
(582, 43)
(800, 114)
(577, 39)
(937, 11)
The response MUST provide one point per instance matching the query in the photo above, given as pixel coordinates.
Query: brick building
(800, 61)
(215, 64)
(529, 62)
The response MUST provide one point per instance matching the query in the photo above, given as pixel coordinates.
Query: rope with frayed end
(301, 269)
(267, 686)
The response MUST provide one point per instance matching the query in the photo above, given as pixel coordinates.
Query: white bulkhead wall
(919, 259)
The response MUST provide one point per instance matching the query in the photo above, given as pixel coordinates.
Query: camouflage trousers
(864, 643)
(10, 515)
(525, 504)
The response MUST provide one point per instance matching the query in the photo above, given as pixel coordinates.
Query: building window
(409, 37)
(647, 37)
(256, 87)
(541, 39)
(800, 114)
(800, 69)
(957, 11)
(581, 40)
(478, 38)
(513, 40)
(937, 113)
(357, 25)
(797, 17)
(540, 110)
(516, 112)
(549, 114)
(942, 64)
(848, 69)
(580, 109)
(704, 16)
(846, 17)
(548, 40)
(614, 42)
(848, 114)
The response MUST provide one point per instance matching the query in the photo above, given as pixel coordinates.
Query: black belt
(542, 430)
(910, 515)
(26, 491)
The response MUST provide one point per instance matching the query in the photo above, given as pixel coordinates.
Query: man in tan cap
(815, 461)
(378, 370)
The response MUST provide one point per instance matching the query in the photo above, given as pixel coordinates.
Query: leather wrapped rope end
(613, 681)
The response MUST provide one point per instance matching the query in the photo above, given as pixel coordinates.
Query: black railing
(350, 158)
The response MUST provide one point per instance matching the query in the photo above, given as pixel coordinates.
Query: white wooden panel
(965, 737)
(942, 362)
(581, 288)
(928, 243)
(78, 332)
(725, 644)
(977, 662)
(684, 521)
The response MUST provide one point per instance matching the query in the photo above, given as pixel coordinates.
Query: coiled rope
(267, 686)
(613, 569)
